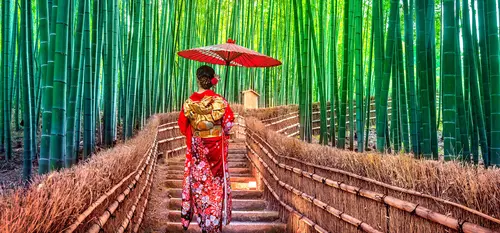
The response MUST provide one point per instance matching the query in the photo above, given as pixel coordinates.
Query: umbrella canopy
(229, 54)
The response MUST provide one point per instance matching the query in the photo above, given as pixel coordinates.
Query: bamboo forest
(85, 73)
(383, 115)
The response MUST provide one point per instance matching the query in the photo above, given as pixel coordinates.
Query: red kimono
(206, 188)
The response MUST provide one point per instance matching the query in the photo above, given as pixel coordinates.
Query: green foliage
(104, 65)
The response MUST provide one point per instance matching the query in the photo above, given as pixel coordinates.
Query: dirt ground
(11, 171)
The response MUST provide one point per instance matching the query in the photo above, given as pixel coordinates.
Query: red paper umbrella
(229, 54)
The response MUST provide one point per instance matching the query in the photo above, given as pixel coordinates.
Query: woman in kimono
(205, 120)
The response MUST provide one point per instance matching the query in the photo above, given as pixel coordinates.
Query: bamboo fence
(339, 201)
(108, 193)
(126, 211)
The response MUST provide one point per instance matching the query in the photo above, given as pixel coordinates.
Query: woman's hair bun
(205, 74)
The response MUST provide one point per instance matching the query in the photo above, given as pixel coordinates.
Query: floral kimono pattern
(206, 188)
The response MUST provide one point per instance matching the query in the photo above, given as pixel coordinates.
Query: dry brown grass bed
(53, 202)
(266, 113)
(473, 186)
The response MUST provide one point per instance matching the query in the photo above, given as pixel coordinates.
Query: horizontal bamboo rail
(167, 125)
(102, 220)
(282, 120)
(376, 182)
(288, 127)
(168, 128)
(176, 149)
(171, 139)
(102, 198)
(142, 177)
(415, 209)
(149, 178)
(141, 215)
(278, 117)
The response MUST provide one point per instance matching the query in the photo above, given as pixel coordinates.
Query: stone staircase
(250, 210)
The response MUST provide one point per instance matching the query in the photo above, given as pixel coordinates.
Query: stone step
(233, 227)
(237, 216)
(238, 204)
(237, 194)
(237, 154)
(231, 155)
(237, 145)
(237, 159)
(242, 184)
(177, 165)
(175, 171)
(233, 178)
(233, 173)
(180, 168)
(238, 170)
(237, 151)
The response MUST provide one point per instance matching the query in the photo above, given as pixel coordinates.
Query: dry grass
(266, 113)
(54, 201)
(238, 109)
(472, 186)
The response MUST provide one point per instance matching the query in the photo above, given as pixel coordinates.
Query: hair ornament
(214, 81)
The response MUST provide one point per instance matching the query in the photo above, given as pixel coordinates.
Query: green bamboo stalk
(27, 114)
(494, 75)
(77, 76)
(134, 69)
(408, 9)
(109, 79)
(333, 71)
(369, 89)
(48, 49)
(431, 61)
(351, 76)
(477, 107)
(422, 74)
(87, 91)
(395, 114)
(403, 105)
(58, 130)
(345, 75)
(384, 86)
(378, 36)
(320, 72)
(5, 130)
(449, 79)
(359, 78)
(467, 70)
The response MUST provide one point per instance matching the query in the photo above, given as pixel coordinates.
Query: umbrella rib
(202, 56)
(249, 61)
(210, 54)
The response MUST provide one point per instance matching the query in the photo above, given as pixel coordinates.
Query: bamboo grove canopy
(82, 74)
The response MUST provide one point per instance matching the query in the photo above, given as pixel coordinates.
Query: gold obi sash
(205, 116)
(216, 131)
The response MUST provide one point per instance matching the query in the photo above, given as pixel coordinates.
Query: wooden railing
(291, 121)
(123, 206)
(322, 199)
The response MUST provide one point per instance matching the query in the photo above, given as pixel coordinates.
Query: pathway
(251, 213)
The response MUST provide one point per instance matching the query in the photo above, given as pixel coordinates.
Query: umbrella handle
(225, 81)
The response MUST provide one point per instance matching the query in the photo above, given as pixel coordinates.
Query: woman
(205, 120)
